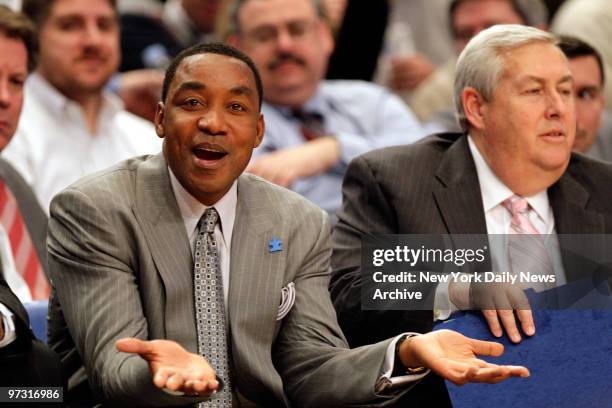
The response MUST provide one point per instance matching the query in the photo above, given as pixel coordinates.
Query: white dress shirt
(498, 219)
(53, 147)
(191, 212)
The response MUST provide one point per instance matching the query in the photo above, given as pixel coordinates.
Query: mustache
(285, 57)
(91, 52)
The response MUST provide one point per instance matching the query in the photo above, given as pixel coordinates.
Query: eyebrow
(241, 90)
(531, 78)
(190, 86)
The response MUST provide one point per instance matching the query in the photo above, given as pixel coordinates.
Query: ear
(261, 127)
(159, 119)
(474, 106)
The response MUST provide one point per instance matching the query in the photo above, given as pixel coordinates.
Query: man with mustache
(70, 125)
(313, 127)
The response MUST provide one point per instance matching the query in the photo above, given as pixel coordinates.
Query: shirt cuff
(443, 307)
(386, 381)
(10, 333)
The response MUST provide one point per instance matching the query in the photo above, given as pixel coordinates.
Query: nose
(93, 34)
(284, 40)
(556, 105)
(212, 122)
(5, 94)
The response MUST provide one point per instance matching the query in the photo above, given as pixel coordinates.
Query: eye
(565, 91)
(534, 91)
(191, 103)
(587, 94)
(17, 82)
(235, 106)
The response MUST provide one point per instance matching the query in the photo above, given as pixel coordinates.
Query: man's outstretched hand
(173, 367)
(454, 357)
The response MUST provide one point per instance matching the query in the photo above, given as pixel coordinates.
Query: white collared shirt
(498, 220)
(53, 146)
(192, 210)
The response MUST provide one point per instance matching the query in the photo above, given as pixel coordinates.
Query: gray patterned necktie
(210, 313)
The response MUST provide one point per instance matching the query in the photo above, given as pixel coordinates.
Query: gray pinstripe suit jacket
(121, 264)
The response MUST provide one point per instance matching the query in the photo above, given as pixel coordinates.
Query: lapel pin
(275, 245)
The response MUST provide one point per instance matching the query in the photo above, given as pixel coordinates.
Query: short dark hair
(210, 48)
(17, 26)
(39, 10)
(574, 47)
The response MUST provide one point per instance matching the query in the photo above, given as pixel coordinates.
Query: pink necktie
(526, 247)
(24, 253)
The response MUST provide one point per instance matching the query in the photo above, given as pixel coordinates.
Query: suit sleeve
(91, 261)
(367, 210)
(311, 353)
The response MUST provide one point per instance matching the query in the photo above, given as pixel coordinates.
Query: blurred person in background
(593, 122)
(71, 125)
(313, 127)
(467, 18)
(591, 22)
(25, 361)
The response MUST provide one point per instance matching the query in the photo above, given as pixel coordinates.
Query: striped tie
(526, 247)
(24, 253)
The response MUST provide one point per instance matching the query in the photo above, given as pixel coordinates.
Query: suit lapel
(458, 193)
(256, 278)
(158, 214)
(569, 200)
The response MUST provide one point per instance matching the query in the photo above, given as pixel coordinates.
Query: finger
(493, 322)
(132, 345)
(486, 348)
(519, 371)
(509, 323)
(524, 313)
(491, 375)
(464, 376)
(161, 377)
(175, 382)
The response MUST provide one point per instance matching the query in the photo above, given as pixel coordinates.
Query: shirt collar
(494, 191)
(192, 210)
(57, 103)
(317, 103)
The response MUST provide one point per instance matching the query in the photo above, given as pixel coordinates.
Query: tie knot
(517, 205)
(209, 220)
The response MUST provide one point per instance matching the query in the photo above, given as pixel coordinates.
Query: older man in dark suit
(513, 93)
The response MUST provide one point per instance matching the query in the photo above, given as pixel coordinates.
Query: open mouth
(208, 154)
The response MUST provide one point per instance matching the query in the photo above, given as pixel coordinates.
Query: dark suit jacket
(431, 187)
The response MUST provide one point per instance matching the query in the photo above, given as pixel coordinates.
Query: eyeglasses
(298, 30)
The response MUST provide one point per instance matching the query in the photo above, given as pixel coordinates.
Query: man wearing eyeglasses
(313, 127)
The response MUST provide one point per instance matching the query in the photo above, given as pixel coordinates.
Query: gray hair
(480, 64)
(228, 23)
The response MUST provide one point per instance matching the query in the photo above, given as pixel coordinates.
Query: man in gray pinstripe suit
(121, 262)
